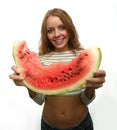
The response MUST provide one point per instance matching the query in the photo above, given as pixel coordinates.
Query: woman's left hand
(94, 83)
(97, 81)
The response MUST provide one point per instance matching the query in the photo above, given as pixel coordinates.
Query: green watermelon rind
(14, 52)
(78, 85)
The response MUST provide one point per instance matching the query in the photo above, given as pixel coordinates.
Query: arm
(87, 96)
(37, 97)
(31, 93)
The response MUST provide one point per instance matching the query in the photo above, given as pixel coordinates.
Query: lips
(59, 41)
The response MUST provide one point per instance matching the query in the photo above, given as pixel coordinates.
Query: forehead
(53, 21)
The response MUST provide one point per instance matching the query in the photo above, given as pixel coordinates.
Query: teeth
(58, 40)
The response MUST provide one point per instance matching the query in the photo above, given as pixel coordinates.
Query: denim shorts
(86, 124)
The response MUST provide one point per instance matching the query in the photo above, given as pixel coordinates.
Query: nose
(57, 33)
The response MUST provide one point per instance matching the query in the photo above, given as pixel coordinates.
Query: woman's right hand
(17, 79)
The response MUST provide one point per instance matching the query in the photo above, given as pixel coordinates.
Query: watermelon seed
(81, 58)
(21, 57)
(64, 76)
(67, 73)
(52, 80)
(77, 66)
(70, 68)
(20, 51)
(63, 71)
(27, 52)
(86, 54)
(56, 78)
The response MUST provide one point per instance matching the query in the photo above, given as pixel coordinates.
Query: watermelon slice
(59, 77)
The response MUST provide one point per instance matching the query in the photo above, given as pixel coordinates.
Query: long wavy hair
(45, 44)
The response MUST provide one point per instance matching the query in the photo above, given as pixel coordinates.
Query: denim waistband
(84, 123)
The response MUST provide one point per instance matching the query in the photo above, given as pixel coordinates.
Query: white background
(95, 21)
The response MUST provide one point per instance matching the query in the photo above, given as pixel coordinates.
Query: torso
(64, 111)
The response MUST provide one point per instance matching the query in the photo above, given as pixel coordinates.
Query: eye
(49, 31)
(62, 27)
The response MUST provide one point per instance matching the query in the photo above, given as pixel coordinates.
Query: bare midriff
(64, 111)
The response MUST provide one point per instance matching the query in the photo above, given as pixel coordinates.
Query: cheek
(67, 37)
(66, 34)
(49, 37)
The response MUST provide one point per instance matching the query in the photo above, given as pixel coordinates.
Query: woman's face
(57, 33)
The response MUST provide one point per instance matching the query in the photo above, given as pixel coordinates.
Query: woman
(59, 42)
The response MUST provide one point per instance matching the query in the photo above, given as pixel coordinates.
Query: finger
(18, 83)
(100, 73)
(95, 86)
(15, 77)
(15, 69)
(96, 80)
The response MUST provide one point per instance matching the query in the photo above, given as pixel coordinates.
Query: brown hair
(45, 45)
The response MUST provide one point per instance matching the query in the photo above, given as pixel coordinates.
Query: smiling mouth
(59, 41)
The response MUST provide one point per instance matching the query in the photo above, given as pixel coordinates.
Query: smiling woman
(58, 34)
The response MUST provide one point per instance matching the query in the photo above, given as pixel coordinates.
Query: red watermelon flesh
(57, 78)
